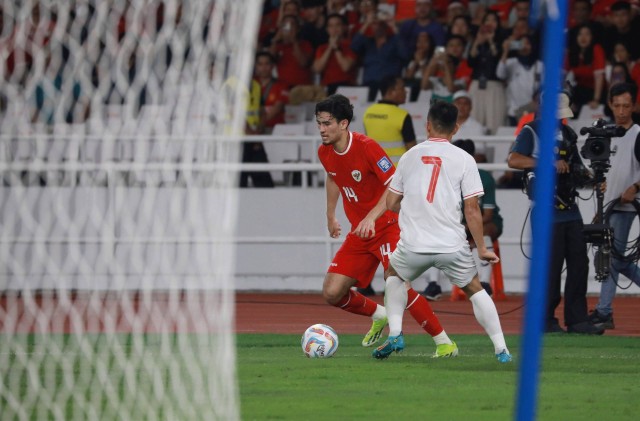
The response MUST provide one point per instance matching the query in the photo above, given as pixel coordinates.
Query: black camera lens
(597, 148)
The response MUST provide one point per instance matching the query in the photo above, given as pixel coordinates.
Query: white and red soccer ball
(319, 341)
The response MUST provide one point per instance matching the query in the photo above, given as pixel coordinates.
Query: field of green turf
(582, 378)
(590, 378)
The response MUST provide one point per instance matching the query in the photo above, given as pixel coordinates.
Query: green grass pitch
(581, 378)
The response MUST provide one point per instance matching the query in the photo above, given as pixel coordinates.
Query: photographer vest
(625, 166)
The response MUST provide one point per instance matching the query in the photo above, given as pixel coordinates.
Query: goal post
(119, 131)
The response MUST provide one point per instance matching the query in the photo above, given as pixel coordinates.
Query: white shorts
(459, 266)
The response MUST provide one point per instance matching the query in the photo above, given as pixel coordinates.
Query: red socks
(420, 309)
(356, 303)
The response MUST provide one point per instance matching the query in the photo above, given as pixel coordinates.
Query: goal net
(119, 130)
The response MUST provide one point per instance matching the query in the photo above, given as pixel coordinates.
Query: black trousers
(568, 246)
(254, 152)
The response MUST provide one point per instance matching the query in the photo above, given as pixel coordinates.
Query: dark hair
(623, 88)
(267, 54)
(342, 18)
(443, 116)
(620, 5)
(388, 83)
(458, 37)
(338, 106)
(466, 145)
(574, 48)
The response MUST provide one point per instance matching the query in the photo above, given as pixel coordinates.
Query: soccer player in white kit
(431, 181)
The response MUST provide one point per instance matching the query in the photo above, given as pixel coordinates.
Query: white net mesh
(117, 206)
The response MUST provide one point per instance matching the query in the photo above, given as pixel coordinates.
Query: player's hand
(334, 228)
(488, 256)
(366, 228)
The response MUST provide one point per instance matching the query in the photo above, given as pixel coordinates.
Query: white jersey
(434, 177)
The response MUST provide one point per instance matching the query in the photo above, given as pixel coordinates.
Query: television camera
(597, 149)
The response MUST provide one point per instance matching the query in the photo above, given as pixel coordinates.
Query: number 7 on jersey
(437, 163)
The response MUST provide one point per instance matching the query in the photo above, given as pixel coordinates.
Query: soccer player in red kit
(359, 170)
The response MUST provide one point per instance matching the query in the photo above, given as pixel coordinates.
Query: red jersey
(333, 73)
(362, 173)
(274, 91)
(289, 70)
(584, 72)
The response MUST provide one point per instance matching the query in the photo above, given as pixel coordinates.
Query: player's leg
(459, 268)
(351, 267)
(395, 297)
(337, 291)
(418, 306)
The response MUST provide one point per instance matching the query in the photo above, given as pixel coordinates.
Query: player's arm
(473, 216)
(393, 201)
(333, 194)
(367, 227)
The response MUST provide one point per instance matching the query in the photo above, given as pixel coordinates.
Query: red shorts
(359, 258)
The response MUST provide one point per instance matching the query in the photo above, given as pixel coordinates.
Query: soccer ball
(319, 341)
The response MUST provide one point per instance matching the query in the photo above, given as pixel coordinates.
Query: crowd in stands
(486, 49)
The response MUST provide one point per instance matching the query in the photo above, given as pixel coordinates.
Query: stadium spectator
(623, 29)
(585, 63)
(346, 9)
(254, 124)
(314, 23)
(274, 93)
(387, 123)
(447, 71)
(412, 73)
(623, 187)
(486, 88)
(461, 26)
(433, 237)
(467, 125)
(519, 11)
(382, 54)
(335, 61)
(502, 9)
(579, 15)
(567, 238)
(522, 74)
(454, 10)
(293, 55)
(374, 231)
(423, 22)
(272, 21)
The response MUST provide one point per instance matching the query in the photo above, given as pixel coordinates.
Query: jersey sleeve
(380, 162)
(471, 182)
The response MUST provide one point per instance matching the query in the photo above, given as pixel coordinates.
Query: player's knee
(331, 296)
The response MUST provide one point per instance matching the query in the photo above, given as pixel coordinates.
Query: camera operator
(623, 184)
(568, 242)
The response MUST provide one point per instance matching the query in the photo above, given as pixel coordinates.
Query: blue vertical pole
(542, 217)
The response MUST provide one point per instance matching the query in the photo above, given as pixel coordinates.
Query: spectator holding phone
(522, 74)
(486, 88)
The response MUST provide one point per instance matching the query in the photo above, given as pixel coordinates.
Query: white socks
(395, 298)
(487, 315)
(380, 313)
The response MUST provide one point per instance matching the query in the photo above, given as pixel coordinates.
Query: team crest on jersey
(384, 164)
(357, 175)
